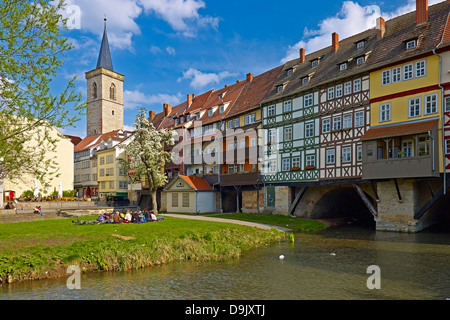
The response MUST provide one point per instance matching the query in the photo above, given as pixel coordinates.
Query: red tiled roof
(196, 182)
(94, 140)
(399, 130)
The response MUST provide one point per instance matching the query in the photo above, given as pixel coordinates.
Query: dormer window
(343, 66)
(360, 44)
(411, 44)
(176, 121)
(210, 112)
(360, 60)
(314, 63)
(182, 120)
(289, 72)
(197, 116)
(221, 96)
(188, 117)
(222, 108)
(305, 80)
(280, 88)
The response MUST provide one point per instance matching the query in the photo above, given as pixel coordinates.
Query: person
(101, 218)
(37, 209)
(128, 217)
(135, 217)
(153, 216)
(117, 218)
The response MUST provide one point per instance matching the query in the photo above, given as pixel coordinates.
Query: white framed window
(310, 160)
(236, 123)
(408, 71)
(280, 88)
(250, 118)
(271, 137)
(431, 103)
(308, 100)
(339, 91)
(396, 74)
(385, 112)
(222, 108)
(357, 85)
(123, 185)
(331, 156)
(359, 119)
(347, 121)
(337, 123)
(359, 153)
(271, 110)
(305, 80)
(111, 184)
(360, 44)
(309, 130)
(210, 112)
(286, 164)
(289, 72)
(242, 143)
(360, 60)
(411, 44)
(314, 63)
(296, 162)
(414, 107)
(287, 106)
(330, 93)
(347, 154)
(230, 124)
(343, 66)
(273, 166)
(408, 148)
(326, 125)
(420, 68)
(252, 142)
(288, 134)
(347, 88)
(385, 77)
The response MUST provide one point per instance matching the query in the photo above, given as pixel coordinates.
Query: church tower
(104, 94)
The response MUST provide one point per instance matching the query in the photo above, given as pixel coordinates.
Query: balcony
(401, 151)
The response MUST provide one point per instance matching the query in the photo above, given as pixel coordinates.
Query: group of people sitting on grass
(128, 217)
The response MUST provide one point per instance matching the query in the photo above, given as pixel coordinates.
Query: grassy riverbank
(44, 249)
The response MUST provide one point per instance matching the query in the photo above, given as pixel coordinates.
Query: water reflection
(329, 265)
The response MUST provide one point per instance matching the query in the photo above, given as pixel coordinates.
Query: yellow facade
(403, 101)
(112, 180)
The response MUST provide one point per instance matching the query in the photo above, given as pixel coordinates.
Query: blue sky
(169, 48)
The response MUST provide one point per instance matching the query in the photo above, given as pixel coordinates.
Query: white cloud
(351, 19)
(134, 99)
(201, 79)
(182, 15)
(170, 51)
(155, 49)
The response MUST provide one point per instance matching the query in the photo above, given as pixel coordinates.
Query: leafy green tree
(31, 51)
(145, 153)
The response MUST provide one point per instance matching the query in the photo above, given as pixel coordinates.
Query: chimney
(167, 109)
(189, 99)
(249, 77)
(335, 40)
(302, 55)
(380, 28)
(151, 115)
(421, 11)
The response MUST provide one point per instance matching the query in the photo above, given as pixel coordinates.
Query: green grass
(295, 224)
(40, 249)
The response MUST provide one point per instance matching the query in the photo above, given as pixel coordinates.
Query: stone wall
(250, 200)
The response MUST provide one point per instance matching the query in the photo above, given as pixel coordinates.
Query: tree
(145, 153)
(31, 52)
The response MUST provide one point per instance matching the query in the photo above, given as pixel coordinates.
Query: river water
(332, 264)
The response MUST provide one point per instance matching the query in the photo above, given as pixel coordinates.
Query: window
(337, 123)
(94, 90)
(286, 164)
(431, 103)
(287, 106)
(326, 124)
(102, 172)
(330, 93)
(347, 123)
(408, 149)
(176, 121)
(250, 118)
(339, 91)
(423, 146)
(348, 88)
(123, 185)
(288, 134)
(280, 88)
(357, 85)
(185, 200)
(273, 165)
(347, 154)
(112, 92)
(109, 158)
(102, 160)
(407, 72)
(174, 199)
(309, 130)
(411, 44)
(221, 108)
(236, 122)
(270, 110)
(331, 155)
(289, 72)
(385, 112)
(305, 80)
(230, 145)
(310, 160)
(360, 60)
(420, 68)
(396, 74)
(386, 77)
(359, 119)
(360, 44)
(242, 143)
(230, 124)
(359, 153)
(111, 184)
(210, 112)
(296, 162)
(414, 107)
(308, 100)
(252, 142)
(343, 66)
(314, 63)
(272, 136)
(447, 104)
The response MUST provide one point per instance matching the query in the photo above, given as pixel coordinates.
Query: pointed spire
(104, 57)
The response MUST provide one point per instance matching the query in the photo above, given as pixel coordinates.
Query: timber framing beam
(297, 200)
(430, 202)
(366, 200)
